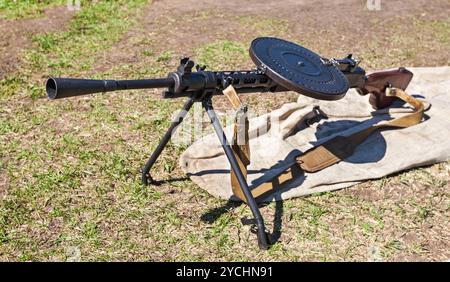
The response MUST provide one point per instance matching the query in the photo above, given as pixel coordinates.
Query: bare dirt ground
(16, 35)
(331, 29)
(337, 28)
(183, 26)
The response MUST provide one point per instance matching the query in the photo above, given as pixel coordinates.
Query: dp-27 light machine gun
(280, 66)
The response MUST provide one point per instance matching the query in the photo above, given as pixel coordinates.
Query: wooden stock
(377, 83)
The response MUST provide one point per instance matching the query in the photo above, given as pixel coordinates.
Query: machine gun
(280, 66)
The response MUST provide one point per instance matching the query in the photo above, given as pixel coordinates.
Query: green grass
(222, 54)
(433, 35)
(49, 187)
(91, 31)
(19, 9)
(264, 26)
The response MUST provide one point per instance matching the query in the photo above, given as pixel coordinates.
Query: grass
(265, 26)
(222, 54)
(19, 9)
(71, 167)
(433, 36)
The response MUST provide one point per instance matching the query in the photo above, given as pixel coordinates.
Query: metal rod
(261, 231)
(146, 177)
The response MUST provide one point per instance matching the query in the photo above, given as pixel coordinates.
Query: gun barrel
(58, 88)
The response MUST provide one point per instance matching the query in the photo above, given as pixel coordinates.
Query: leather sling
(316, 158)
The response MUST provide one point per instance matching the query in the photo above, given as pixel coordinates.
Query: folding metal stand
(263, 238)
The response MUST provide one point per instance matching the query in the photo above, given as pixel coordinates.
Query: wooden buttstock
(377, 82)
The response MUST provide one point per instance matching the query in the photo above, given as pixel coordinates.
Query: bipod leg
(261, 231)
(146, 176)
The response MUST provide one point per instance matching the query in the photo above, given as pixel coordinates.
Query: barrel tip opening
(51, 88)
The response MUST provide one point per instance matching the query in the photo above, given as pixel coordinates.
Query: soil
(182, 26)
(16, 35)
(330, 29)
(343, 26)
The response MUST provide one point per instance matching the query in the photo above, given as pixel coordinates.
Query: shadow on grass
(213, 214)
(167, 181)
